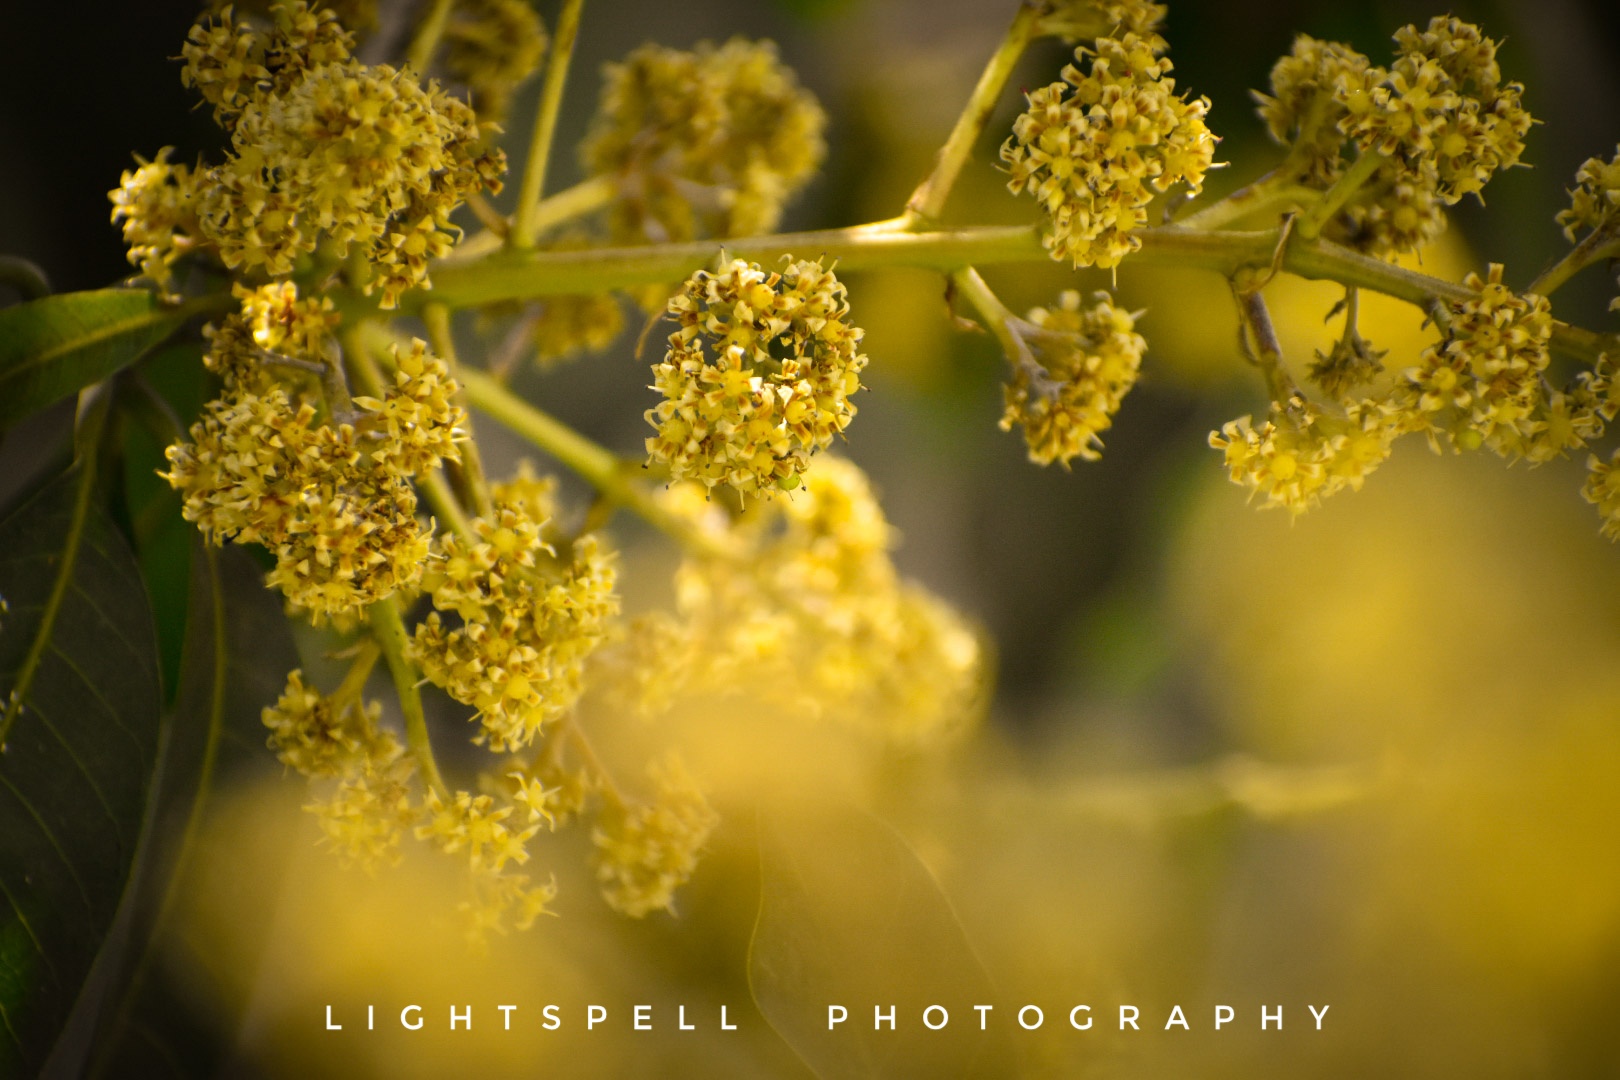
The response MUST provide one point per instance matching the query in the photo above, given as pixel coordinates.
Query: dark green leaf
(53, 347)
(238, 651)
(848, 915)
(79, 687)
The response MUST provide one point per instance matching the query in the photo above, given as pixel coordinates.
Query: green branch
(598, 466)
(427, 37)
(524, 228)
(518, 276)
(928, 200)
(389, 629)
(1597, 245)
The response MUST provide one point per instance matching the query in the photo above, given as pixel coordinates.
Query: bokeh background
(1369, 758)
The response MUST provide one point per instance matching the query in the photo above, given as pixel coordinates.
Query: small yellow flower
(323, 146)
(713, 141)
(156, 204)
(757, 378)
(493, 46)
(645, 851)
(1485, 377)
(531, 608)
(1095, 147)
(1303, 453)
(1090, 359)
(1602, 489)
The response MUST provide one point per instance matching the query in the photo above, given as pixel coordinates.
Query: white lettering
(465, 1018)
(552, 1020)
(984, 1011)
(594, 1014)
(681, 1021)
(1266, 1017)
(329, 1025)
(1127, 1015)
(506, 1015)
(1040, 1017)
(1176, 1018)
(1223, 1015)
(836, 1014)
(1075, 1023)
(1319, 1015)
(406, 1023)
(643, 1018)
(878, 1017)
(724, 1026)
(944, 1017)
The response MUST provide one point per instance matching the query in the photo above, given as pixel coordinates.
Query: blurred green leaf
(238, 650)
(53, 347)
(79, 679)
(848, 915)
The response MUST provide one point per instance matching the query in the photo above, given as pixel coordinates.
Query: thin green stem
(1268, 192)
(366, 653)
(489, 217)
(569, 204)
(446, 508)
(927, 202)
(508, 275)
(389, 629)
(992, 312)
(468, 476)
(1258, 337)
(1315, 217)
(92, 419)
(597, 465)
(593, 762)
(428, 34)
(524, 229)
(512, 276)
(1597, 245)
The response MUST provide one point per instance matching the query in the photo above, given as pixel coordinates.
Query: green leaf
(53, 347)
(848, 915)
(79, 687)
(238, 650)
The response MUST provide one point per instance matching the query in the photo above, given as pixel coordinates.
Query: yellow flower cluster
(1303, 110)
(1595, 199)
(1096, 146)
(365, 816)
(757, 378)
(1602, 489)
(645, 851)
(1397, 211)
(531, 608)
(1349, 363)
(1594, 205)
(156, 204)
(1442, 109)
(1074, 20)
(320, 736)
(566, 326)
(817, 622)
(333, 502)
(1089, 358)
(1483, 382)
(323, 146)
(493, 45)
(477, 825)
(713, 141)
(1303, 453)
